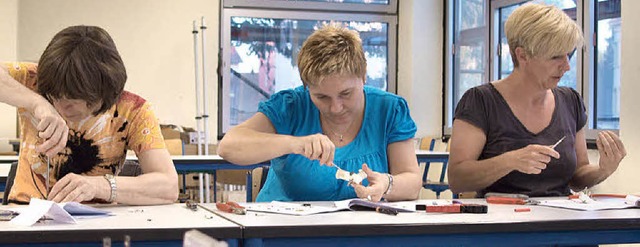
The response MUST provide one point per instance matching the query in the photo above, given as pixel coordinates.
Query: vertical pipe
(198, 111)
(205, 113)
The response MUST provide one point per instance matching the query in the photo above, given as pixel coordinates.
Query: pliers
(231, 207)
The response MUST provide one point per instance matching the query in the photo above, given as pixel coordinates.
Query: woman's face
(548, 71)
(340, 99)
(75, 109)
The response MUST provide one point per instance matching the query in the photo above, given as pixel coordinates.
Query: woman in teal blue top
(332, 121)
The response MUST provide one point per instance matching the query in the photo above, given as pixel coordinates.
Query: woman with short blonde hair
(524, 134)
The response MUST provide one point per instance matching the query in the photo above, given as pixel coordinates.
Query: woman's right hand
(51, 127)
(531, 159)
(315, 147)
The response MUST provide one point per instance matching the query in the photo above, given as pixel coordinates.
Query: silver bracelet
(390, 184)
(114, 189)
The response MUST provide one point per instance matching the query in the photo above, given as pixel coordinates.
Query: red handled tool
(231, 207)
(454, 208)
(506, 200)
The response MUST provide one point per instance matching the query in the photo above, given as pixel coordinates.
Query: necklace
(340, 136)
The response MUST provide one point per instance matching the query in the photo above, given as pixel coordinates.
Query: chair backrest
(440, 185)
(130, 168)
(10, 177)
(427, 143)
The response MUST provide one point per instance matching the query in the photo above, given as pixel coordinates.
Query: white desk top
(540, 218)
(140, 222)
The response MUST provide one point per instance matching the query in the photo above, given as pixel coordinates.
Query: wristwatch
(114, 189)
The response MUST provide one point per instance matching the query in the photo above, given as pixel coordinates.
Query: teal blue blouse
(293, 177)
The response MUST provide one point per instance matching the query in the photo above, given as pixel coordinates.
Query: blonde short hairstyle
(331, 50)
(542, 31)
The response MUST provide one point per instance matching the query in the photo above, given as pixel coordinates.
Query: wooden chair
(439, 186)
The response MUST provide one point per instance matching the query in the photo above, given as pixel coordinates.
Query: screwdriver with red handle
(506, 200)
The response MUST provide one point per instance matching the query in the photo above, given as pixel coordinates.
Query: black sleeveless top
(484, 107)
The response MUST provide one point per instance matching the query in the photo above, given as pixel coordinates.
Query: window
(470, 47)
(259, 48)
(607, 63)
(595, 72)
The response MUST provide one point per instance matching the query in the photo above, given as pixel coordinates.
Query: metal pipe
(198, 110)
(205, 113)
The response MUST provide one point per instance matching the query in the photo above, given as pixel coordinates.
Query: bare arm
(157, 185)
(51, 126)
(16, 94)
(403, 165)
(255, 141)
(611, 151)
(467, 173)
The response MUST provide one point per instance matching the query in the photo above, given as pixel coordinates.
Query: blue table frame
(501, 226)
(211, 164)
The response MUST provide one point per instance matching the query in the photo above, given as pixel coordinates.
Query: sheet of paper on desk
(289, 208)
(614, 203)
(57, 212)
(297, 208)
(78, 209)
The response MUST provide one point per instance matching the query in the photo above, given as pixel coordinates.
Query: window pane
(470, 37)
(608, 65)
(506, 64)
(263, 60)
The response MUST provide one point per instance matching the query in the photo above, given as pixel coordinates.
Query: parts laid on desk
(455, 208)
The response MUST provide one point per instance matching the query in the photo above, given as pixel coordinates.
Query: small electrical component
(350, 176)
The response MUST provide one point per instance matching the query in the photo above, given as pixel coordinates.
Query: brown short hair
(331, 50)
(542, 31)
(82, 62)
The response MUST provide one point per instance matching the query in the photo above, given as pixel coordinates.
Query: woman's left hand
(378, 184)
(611, 151)
(75, 188)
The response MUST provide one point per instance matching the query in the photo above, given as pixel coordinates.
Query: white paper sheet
(57, 212)
(590, 206)
(297, 208)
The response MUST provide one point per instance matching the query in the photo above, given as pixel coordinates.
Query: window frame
(391, 8)
(362, 14)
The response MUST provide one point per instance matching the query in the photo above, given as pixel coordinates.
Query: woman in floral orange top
(77, 119)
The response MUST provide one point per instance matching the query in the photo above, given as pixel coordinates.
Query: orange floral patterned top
(97, 145)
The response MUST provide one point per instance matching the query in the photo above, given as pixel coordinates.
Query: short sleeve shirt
(484, 107)
(293, 177)
(96, 145)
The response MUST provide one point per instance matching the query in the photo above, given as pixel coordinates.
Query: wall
(624, 180)
(420, 62)
(154, 39)
(8, 47)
